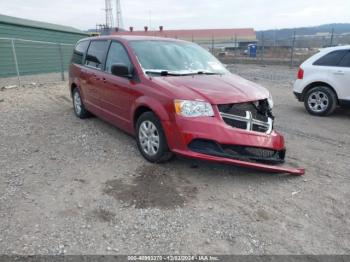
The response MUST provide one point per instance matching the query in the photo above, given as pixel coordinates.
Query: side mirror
(121, 70)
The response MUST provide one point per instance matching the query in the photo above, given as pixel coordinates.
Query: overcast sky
(186, 14)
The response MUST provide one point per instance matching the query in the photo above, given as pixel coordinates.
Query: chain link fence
(291, 51)
(272, 73)
(26, 62)
(30, 63)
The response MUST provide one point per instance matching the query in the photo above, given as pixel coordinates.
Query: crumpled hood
(215, 89)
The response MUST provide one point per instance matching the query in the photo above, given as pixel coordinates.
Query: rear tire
(320, 101)
(151, 139)
(79, 108)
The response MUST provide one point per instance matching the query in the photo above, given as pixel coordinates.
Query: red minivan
(176, 98)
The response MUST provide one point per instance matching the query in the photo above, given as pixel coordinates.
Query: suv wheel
(79, 108)
(320, 101)
(151, 139)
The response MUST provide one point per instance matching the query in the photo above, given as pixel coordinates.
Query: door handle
(104, 80)
(339, 73)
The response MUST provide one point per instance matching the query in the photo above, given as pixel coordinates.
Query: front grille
(249, 151)
(249, 116)
(245, 153)
(235, 123)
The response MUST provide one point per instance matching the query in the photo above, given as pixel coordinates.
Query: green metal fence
(19, 57)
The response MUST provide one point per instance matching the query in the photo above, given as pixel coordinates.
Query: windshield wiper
(202, 72)
(179, 73)
(163, 73)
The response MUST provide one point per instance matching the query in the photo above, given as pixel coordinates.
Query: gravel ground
(29, 81)
(70, 186)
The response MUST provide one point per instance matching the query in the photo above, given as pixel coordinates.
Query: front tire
(79, 108)
(151, 139)
(320, 101)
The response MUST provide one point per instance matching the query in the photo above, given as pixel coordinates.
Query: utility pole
(16, 62)
(233, 46)
(292, 51)
(332, 36)
(262, 47)
(212, 44)
(61, 61)
(236, 45)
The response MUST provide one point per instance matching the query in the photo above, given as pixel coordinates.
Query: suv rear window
(79, 51)
(96, 54)
(331, 59)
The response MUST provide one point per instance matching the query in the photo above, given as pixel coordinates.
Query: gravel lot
(70, 186)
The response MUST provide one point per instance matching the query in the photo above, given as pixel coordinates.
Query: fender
(312, 77)
(155, 105)
(77, 82)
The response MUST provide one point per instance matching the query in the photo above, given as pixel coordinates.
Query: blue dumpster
(252, 50)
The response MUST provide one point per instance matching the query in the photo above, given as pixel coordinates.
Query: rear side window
(331, 59)
(96, 53)
(117, 55)
(345, 62)
(79, 51)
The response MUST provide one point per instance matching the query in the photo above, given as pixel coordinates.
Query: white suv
(324, 81)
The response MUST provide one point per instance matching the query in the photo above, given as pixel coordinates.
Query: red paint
(117, 100)
(194, 33)
(258, 166)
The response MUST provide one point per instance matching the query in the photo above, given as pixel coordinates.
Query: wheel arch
(72, 87)
(144, 104)
(75, 85)
(315, 84)
(139, 111)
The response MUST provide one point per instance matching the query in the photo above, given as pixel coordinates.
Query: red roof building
(204, 36)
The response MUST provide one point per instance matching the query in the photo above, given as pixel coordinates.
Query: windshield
(175, 58)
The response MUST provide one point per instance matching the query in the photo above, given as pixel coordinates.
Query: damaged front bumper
(258, 166)
(243, 153)
(236, 135)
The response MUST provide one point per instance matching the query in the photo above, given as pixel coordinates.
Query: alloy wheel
(149, 138)
(318, 101)
(77, 103)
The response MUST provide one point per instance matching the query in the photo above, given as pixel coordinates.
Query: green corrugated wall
(7, 65)
(33, 57)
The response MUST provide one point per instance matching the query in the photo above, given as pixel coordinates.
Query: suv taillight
(300, 73)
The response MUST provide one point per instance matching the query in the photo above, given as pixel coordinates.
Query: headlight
(189, 108)
(270, 101)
